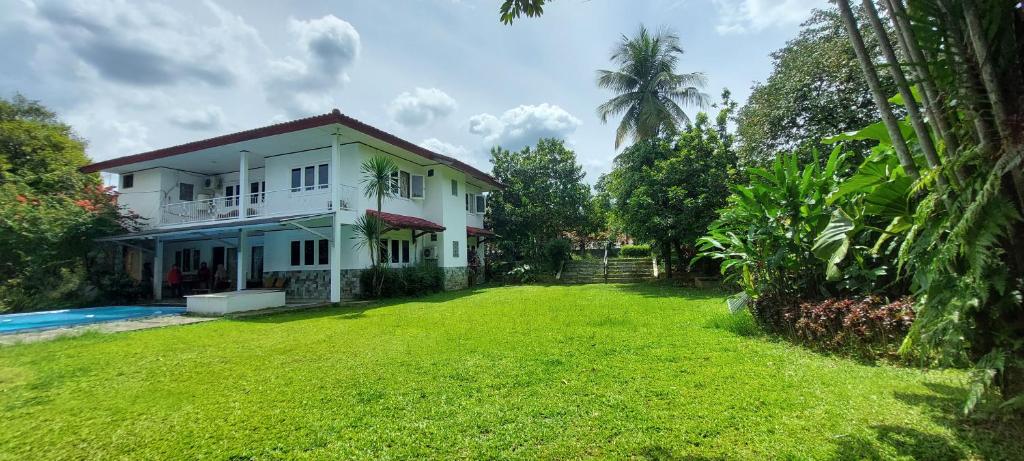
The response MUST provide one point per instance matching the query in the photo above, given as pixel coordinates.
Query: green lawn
(515, 372)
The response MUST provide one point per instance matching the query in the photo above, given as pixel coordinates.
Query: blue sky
(131, 76)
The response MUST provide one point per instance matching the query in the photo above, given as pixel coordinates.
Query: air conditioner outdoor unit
(430, 253)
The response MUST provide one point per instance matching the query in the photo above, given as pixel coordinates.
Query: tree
(544, 197)
(378, 184)
(648, 89)
(816, 90)
(668, 191)
(50, 212)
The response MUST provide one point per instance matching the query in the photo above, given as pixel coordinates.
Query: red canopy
(406, 222)
(478, 232)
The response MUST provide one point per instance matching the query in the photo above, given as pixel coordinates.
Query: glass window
(455, 248)
(404, 184)
(394, 183)
(405, 251)
(394, 250)
(296, 179)
(467, 202)
(323, 175)
(296, 253)
(324, 251)
(231, 195)
(480, 204)
(186, 261)
(455, 188)
(433, 237)
(127, 181)
(186, 192)
(308, 252)
(257, 191)
(416, 184)
(310, 177)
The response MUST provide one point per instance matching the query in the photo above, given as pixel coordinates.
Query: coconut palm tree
(378, 182)
(649, 91)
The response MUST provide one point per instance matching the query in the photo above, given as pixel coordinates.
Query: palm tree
(649, 89)
(378, 173)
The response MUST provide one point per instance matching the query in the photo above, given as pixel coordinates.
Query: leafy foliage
(635, 251)
(410, 281)
(868, 327)
(556, 252)
(544, 198)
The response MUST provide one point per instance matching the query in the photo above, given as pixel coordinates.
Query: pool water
(12, 323)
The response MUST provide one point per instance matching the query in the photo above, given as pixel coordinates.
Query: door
(256, 263)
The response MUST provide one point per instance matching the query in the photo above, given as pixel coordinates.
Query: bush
(868, 326)
(556, 252)
(635, 251)
(402, 281)
(521, 274)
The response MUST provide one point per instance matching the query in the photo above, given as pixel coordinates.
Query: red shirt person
(174, 280)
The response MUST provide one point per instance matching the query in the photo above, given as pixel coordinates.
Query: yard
(560, 372)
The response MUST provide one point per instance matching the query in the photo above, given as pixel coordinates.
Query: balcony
(286, 202)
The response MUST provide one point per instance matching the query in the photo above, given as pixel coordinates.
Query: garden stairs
(619, 270)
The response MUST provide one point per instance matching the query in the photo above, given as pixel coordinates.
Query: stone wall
(305, 284)
(455, 278)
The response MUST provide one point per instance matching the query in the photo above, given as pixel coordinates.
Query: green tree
(648, 90)
(668, 191)
(815, 90)
(50, 212)
(544, 197)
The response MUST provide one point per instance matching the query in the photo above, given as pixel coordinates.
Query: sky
(132, 76)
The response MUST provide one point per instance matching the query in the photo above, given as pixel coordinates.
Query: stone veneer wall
(455, 278)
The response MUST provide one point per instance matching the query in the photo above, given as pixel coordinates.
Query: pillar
(335, 181)
(243, 258)
(158, 270)
(243, 184)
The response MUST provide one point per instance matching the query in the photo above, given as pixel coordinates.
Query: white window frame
(423, 187)
(317, 242)
(316, 185)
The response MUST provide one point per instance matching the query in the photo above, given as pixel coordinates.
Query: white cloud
(303, 85)
(524, 125)
(203, 119)
(742, 16)
(421, 107)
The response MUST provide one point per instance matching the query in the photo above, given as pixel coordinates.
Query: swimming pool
(13, 323)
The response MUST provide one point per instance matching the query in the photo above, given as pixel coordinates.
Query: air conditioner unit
(212, 183)
(430, 252)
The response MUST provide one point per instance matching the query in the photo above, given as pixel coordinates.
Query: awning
(185, 232)
(478, 232)
(398, 221)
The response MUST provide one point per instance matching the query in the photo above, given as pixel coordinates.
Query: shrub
(556, 252)
(402, 281)
(521, 274)
(866, 326)
(635, 251)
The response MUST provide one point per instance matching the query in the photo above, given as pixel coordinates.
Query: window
(296, 179)
(455, 188)
(433, 237)
(310, 252)
(231, 195)
(323, 176)
(467, 202)
(480, 204)
(395, 251)
(405, 251)
(455, 248)
(323, 252)
(186, 192)
(187, 260)
(127, 181)
(416, 184)
(296, 253)
(403, 183)
(257, 191)
(430, 173)
(311, 177)
(394, 183)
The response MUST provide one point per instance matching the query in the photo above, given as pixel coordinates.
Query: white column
(243, 183)
(242, 258)
(158, 270)
(336, 206)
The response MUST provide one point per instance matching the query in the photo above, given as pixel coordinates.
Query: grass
(600, 371)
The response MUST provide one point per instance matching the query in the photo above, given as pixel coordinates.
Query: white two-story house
(276, 205)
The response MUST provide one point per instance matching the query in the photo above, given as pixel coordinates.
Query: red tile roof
(478, 232)
(406, 222)
(332, 117)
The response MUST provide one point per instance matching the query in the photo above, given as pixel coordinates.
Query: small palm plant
(378, 173)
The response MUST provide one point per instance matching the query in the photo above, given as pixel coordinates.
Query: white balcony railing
(259, 205)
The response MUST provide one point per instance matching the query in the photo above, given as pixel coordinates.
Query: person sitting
(174, 280)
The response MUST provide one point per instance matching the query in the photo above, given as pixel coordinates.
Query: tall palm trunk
(989, 76)
(871, 75)
(932, 97)
(924, 136)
